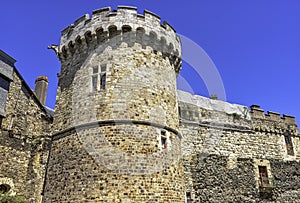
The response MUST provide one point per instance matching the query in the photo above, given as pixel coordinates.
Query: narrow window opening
(188, 197)
(263, 176)
(99, 78)
(94, 82)
(1, 118)
(289, 145)
(4, 83)
(103, 68)
(95, 70)
(103, 81)
(163, 140)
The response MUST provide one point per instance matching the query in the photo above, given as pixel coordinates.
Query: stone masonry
(116, 116)
(225, 144)
(122, 132)
(24, 135)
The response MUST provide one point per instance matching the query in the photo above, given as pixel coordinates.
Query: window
(95, 82)
(1, 118)
(102, 81)
(289, 145)
(263, 175)
(4, 82)
(164, 142)
(188, 196)
(103, 68)
(99, 78)
(95, 70)
(163, 139)
(264, 181)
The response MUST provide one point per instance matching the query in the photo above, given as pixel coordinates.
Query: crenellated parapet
(110, 28)
(272, 122)
(203, 111)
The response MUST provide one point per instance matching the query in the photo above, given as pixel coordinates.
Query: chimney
(41, 87)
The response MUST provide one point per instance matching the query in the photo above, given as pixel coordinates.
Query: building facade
(122, 132)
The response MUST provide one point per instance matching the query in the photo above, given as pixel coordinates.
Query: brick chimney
(41, 87)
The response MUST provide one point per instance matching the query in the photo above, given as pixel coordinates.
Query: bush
(6, 198)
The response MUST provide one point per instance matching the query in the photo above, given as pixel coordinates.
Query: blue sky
(255, 44)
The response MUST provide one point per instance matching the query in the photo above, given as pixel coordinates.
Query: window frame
(98, 77)
(4, 82)
(289, 145)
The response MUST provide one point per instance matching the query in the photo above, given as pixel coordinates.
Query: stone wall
(6, 75)
(287, 180)
(137, 144)
(223, 147)
(216, 132)
(24, 141)
(214, 181)
(140, 85)
(114, 163)
(24, 113)
(23, 162)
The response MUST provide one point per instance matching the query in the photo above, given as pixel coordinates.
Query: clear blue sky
(255, 44)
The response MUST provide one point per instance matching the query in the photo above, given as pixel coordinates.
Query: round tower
(116, 120)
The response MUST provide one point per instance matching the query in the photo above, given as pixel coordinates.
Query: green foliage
(7, 198)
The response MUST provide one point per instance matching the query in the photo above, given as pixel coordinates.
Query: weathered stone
(121, 132)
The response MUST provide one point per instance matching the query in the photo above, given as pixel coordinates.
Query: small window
(289, 145)
(95, 70)
(188, 196)
(99, 78)
(103, 68)
(95, 82)
(163, 140)
(4, 188)
(4, 83)
(1, 119)
(264, 181)
(103, 81)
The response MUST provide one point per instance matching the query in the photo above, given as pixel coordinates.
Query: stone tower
(116, 118)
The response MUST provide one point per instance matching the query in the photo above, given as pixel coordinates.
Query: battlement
(121, 25)
(257, 112)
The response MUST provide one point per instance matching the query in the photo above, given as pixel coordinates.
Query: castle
(122, 132)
